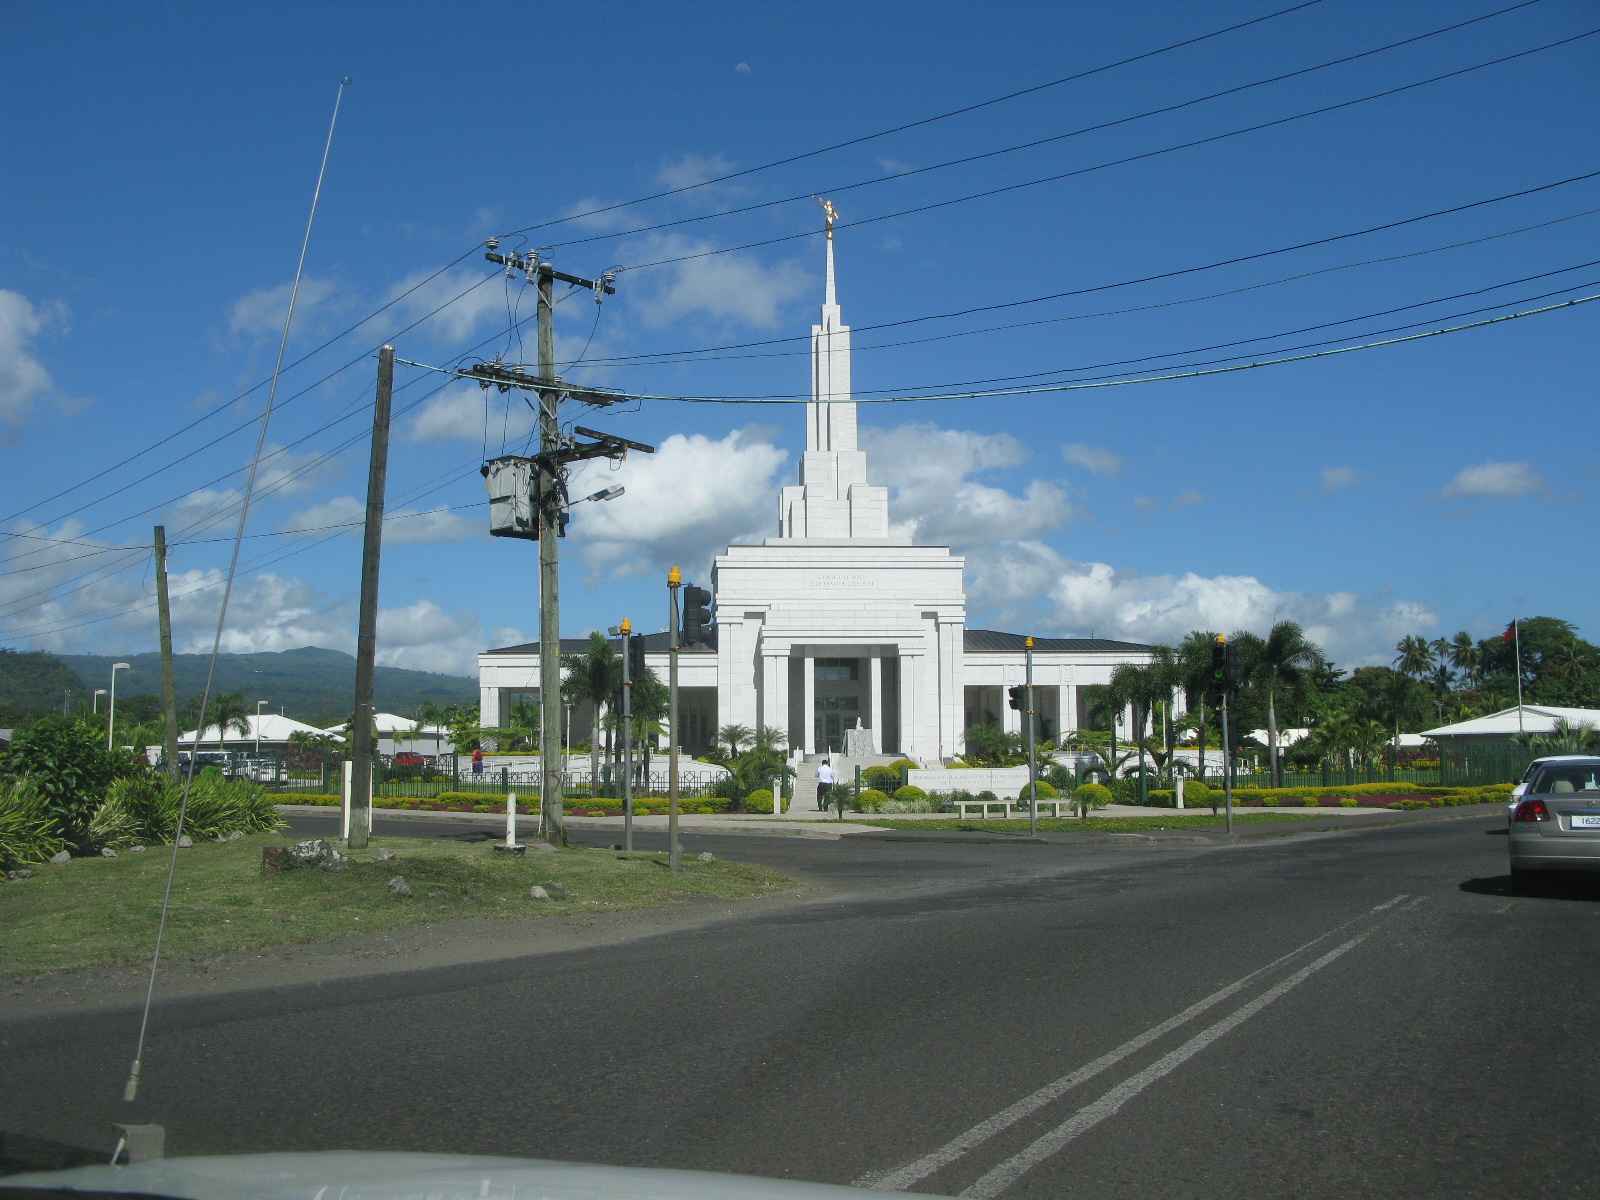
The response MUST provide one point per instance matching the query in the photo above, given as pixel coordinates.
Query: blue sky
(160, 161)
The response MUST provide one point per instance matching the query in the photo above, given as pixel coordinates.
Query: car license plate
(1586, 820)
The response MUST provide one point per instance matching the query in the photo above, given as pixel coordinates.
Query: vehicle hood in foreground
(363, 1175)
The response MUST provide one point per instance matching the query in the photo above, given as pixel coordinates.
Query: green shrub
(910, 792)
(322, 799)
(758, 801)
(27, 832)
(1161, 798)
(1195, 792)
(69, 769)
(881, 777)
(900, 763)
(1090, 795)
(144, 809)
(1349, 802)
(1044, 790)
(871, 800)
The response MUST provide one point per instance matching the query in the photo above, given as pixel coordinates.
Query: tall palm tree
(1194, 671)
(227, 711)
(1277, 664)
(1414, 656)
(1148, 688)
(1466, 656)
(593, 676)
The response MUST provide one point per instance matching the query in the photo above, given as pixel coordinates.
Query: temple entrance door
(835, 714)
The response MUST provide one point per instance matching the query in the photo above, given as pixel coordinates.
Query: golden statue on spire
(828, 211)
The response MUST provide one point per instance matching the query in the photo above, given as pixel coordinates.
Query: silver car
(1556, 824)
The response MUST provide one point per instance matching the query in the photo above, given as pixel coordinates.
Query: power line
(1080, 385)
(690, 357)
(835, 189)
(955, 112)
(1013, 187)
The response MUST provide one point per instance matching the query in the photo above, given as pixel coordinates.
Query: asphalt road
(1369, 1014)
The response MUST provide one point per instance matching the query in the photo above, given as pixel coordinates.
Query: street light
(98, 692)
(259, 703)
(111, 709)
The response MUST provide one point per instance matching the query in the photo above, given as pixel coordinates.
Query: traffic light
(1018, 697)
(636, 667)
(1217, 680)
(696, 614)
(1232, 671)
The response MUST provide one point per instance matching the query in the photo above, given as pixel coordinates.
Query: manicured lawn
(1096, 824)
(94, 912)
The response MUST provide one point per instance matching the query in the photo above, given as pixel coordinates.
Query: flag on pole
(1511, 632)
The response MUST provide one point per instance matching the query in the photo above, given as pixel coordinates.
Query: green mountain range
(309, 684)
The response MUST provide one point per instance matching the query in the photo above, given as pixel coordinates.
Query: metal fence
(410, 783)
(1472, 766)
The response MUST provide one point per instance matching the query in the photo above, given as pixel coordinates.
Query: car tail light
(1532, 810)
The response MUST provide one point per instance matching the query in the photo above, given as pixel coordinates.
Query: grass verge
(98, 912)
(1093, 824)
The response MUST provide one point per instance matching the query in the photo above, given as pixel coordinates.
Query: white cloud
(933, 500)
(424, 637)
(683, 504)
(201, 511)
(23, 378)
(471, 301)
(469, 413)
(736, 289)
(260, 313)
(1337, 479)
(1494, 480)
(1187, 499)
(1094, 459)
(341, 510)
(414, 528)
(687, 170)
(1028, 584)
(285, 472)
(893, 166)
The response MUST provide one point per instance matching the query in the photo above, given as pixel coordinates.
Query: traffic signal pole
(1033, 765)
(627, 735)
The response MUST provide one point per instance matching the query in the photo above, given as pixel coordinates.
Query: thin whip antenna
(130, 1090)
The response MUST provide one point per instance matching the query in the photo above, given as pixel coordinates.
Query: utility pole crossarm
(532, 263)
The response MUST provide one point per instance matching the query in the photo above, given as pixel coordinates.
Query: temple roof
(979, 641)
(654, 643)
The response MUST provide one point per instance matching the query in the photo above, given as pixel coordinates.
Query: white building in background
(832, 623)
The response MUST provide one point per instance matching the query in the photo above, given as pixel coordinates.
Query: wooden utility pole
(367, 626)
(549, 496)
(169, 699)
(552, 754)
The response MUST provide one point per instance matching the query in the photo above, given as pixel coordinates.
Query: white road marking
(898, 1179)
(1001, 1177)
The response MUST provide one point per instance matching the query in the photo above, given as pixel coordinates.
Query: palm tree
(594, 676)
(734, 736)
(1277, 663)
(1414, 656)
(228, 711)
(1564, 738)
(1194, 672)
(1467, 657)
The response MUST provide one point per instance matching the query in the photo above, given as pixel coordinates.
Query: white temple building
(832, 624)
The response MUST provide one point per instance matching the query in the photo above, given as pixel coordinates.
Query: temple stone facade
(832, 624)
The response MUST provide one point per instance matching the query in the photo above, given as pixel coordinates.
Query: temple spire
(829, 301)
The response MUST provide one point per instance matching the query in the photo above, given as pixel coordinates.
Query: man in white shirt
(825, 781)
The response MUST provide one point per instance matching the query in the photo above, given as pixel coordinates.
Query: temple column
(909, 669)
(774, 709)
(875, 699)
(808, 704)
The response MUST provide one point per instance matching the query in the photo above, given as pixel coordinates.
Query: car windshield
(1568, 777)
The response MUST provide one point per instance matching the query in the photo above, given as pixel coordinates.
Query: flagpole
(1516, 639)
